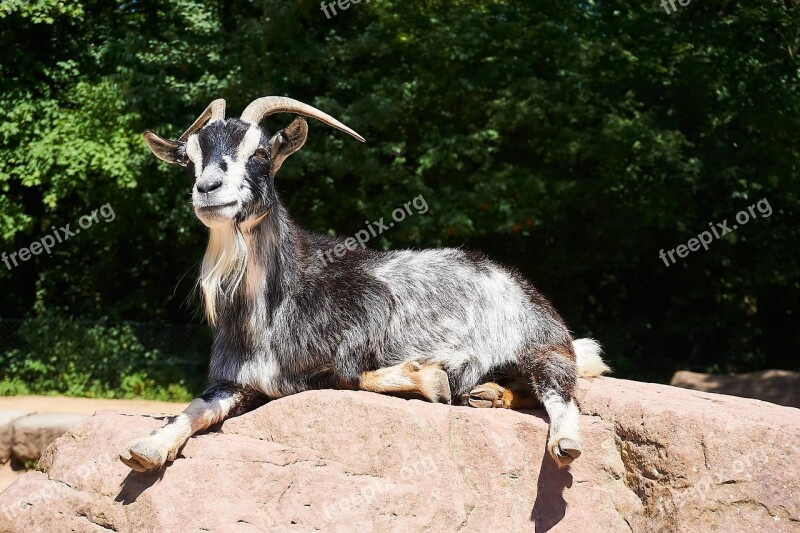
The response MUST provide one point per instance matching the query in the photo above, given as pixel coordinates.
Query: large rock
(656, 458)
(7, 419)
(34, 433)
(776, 386)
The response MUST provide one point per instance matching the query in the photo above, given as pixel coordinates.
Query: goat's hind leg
(510, 390)
(555, 379)
(218, 402)
(427, 380)
(494, 395)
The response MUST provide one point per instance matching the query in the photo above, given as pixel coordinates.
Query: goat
(435, 323)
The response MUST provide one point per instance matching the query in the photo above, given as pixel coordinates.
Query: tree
(573, 141)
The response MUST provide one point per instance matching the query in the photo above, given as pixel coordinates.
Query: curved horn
(269, 105)
(214, 111)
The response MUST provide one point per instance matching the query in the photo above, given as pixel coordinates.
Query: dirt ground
(88, 406)
(61, 404)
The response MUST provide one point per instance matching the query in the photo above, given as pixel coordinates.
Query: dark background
(572, 140)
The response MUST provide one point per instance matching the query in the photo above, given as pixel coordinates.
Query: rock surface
(34, 433)
(7, 419)
(655, 458)
(775, 386)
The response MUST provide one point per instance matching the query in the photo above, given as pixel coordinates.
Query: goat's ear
(287, 141)
(164, 149)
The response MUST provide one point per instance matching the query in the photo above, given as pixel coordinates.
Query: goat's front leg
(218, 402)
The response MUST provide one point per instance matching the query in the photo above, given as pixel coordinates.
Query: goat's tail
(590, 364)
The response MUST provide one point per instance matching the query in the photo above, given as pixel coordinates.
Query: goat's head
(233, 162)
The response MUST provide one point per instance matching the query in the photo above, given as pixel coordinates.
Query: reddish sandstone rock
(775, 386)
(7, 419)
(655, 458)
(34, 433)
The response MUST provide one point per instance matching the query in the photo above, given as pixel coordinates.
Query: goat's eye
(260, 153)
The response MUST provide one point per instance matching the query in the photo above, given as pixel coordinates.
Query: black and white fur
(284, 322)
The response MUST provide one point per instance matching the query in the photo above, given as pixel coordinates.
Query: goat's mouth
(213, 214)
(215, 207)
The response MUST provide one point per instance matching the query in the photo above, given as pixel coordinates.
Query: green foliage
(13, 387)
(573, 140)
(101, 361)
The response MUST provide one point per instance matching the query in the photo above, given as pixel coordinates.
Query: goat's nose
(206, 186)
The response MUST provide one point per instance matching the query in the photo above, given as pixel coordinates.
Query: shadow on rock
(550, 507)
(135, 483)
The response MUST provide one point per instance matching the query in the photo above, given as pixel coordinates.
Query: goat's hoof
(434, 384)
(564, 451)
(443, 385)
(412, 365)
(143, 456)
(487, 396)
(430, 380)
